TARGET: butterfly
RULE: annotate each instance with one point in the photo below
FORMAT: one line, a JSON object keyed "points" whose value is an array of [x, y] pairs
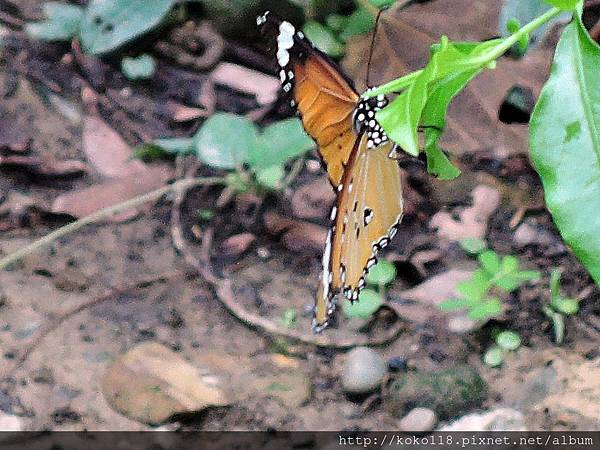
{"points": [[357, 155]]}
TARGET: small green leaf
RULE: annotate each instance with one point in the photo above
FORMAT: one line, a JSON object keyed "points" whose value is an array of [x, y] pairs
{"points": [[151, 152], [382, 3], [360, 22], [476, 286], [278, 143], [567, 5], [457, 304], [205, 214], [493, 357], [336, 22], [368, 302], [555, 284], [568, 306], [62, 24], [139, 68], [508, 340], [225, 140], [235, 181], [178, 146], [473, 246], [323, 39], [569, 163], [490, 261], [438, 163], [106, 25], [486, 310], [382, 273], [289, 318], [270, 177], [509, 264], [513, 25]]}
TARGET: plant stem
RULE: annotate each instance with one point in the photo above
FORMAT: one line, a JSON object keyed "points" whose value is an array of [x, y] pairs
{"points": [[478, 61], [105, 213]]}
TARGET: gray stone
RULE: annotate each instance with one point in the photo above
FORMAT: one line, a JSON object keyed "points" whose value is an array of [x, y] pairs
{"points": [[501, 419], [418, 419], [363, 371]]}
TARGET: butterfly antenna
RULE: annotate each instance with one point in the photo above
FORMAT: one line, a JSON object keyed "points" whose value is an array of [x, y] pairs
{"points": [[373, 46]]}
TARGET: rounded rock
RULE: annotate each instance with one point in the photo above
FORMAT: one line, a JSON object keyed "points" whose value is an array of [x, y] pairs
{"points": [[419, 420], [363, 371]]}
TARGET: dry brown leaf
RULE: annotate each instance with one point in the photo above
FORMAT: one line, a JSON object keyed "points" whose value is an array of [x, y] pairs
{"points": [[473, 221], [46, 167], [106, 150], [402, 45], [82, 202], [263, 87], [297, 235]]}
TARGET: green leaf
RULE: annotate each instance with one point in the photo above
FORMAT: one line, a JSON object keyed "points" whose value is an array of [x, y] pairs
{"points": [[150, 152], [368, 302], [490, 261], [106, 25], [62, 23], [554, 285], [486, 310], [493, 357], [568, 306], [289, 318], [558, 324], [508, 340], [567, 5], [225, 140], [565, 144], [323, 39], [473, 246], [382, 273], [382, 3], [278, 143], [139, 68], [360, 21], [476, 286], [178, 146], [457, 304], [270, 177], [336, 22]]}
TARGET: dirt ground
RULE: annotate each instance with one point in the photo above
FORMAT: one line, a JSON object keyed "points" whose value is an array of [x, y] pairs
{"points": [[68, 312]]}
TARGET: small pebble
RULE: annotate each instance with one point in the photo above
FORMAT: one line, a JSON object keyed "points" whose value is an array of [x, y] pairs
{"points": [[418, 419], [363, 371]]}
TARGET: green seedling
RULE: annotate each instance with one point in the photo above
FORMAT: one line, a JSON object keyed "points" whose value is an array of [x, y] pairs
{"points": [[559, 307]]}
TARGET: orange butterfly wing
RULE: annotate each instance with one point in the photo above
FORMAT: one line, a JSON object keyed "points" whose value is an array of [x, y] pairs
{"points": [[326, 103], [367, 214], [369, 203]]}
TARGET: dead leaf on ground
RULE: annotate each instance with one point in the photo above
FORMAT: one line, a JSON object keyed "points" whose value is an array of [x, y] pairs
{"points": [[237, 244], [17, 209], [150, 383], [182, 113], [297, 235], [106, 150], [402, 45], [44, 166], [472, 222], [82, 202], [263, 87]]}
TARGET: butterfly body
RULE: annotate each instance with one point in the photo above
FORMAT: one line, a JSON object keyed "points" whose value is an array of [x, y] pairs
{"points": [[354, 150]]}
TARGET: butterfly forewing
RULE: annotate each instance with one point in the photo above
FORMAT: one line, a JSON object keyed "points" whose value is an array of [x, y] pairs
{"points": [[324, 97]]}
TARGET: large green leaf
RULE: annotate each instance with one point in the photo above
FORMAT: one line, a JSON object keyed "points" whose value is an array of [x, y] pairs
{"points": [[225, 140], [279, 143], [565, 143], [61, 25], [107, 25]]}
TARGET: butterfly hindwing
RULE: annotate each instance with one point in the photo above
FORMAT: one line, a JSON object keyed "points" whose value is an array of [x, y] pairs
{"points": [[366, 216]]}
